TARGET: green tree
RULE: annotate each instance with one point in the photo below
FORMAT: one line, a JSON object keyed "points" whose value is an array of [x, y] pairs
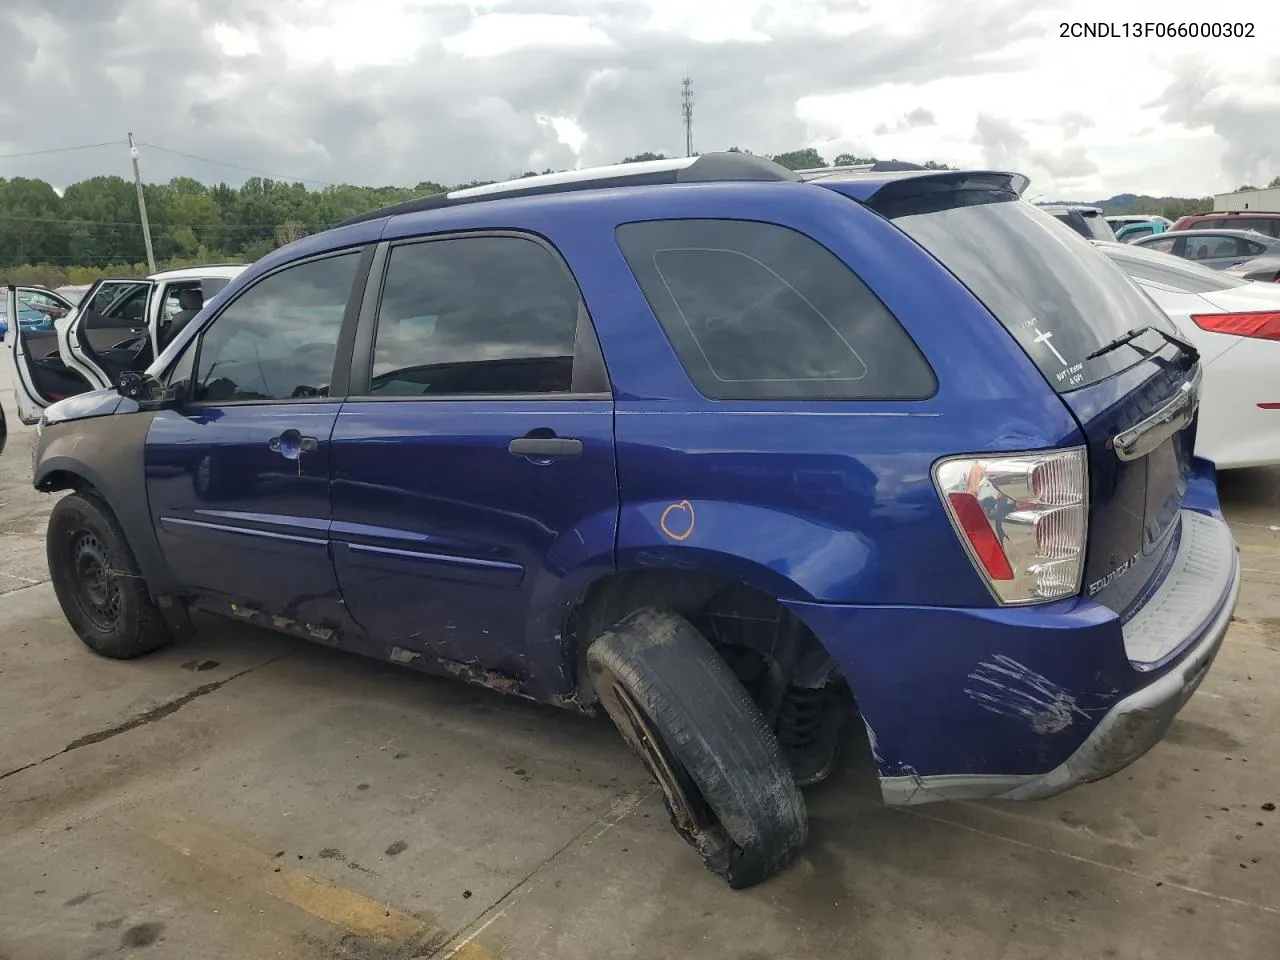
{"points": [[641, 157], [805, 159], [849, 160]]}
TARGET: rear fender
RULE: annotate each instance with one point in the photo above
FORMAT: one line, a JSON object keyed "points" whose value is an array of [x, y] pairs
{"points": [[785, 556]]}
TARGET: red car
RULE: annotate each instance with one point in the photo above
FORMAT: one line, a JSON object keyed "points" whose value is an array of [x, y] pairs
{"points": [[1268, 223]]}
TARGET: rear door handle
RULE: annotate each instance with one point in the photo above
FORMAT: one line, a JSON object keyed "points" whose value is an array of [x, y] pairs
{"points": [[545, 448]]}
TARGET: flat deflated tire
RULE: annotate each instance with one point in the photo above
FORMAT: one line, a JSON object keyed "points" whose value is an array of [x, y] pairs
{"points": [[98, 583], [725, 782]]}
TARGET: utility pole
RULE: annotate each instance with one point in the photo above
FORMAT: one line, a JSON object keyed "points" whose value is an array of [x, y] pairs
{"points": [[686, 110], [142, 207]]}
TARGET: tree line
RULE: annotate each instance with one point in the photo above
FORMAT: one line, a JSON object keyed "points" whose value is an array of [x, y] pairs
{"points": [[93, 228]]}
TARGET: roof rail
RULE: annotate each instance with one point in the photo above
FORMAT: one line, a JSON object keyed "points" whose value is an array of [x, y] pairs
{"points": [[877, 166], [707, 168]]}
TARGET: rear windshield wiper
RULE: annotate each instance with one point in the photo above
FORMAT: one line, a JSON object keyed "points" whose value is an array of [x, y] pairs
{"points": [[1126, 338]]}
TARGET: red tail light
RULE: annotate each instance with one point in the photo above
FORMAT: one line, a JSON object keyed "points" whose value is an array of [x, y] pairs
{"points": [[1258, 326], [973, 521]]}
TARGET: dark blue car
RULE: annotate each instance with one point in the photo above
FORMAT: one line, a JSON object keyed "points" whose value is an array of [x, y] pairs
{"points": [[755, 462]]}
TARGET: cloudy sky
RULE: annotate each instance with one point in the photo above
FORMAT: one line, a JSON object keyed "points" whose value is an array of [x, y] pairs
{"points": [[402, 91]]}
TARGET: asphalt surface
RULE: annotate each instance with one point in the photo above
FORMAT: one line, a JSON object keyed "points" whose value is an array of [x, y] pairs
{"points": [[249, 796]]}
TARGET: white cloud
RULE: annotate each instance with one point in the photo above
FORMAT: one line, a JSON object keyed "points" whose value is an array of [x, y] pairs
{"points": [[385, 91], [494, 34]]}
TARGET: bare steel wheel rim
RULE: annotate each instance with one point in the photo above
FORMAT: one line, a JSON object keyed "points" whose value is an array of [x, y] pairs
{"points": [[95, 584]]}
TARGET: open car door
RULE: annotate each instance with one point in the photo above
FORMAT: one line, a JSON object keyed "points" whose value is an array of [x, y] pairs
{"points": [[40, 377], [107, 335]]}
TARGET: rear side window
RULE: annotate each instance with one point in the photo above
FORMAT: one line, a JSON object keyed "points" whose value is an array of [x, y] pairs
{"points": [[1214, 248], [757, 311], [477, 316], [1058, 295]]}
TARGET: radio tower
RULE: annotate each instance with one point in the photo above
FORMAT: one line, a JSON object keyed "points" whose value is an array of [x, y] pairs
{"points": [[686, 110]]}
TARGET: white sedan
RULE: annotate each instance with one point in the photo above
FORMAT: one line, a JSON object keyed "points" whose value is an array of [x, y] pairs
{"points": [[1235, 324]]}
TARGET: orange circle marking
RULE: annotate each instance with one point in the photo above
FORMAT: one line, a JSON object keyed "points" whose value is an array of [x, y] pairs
{"points": [[683, 507]]}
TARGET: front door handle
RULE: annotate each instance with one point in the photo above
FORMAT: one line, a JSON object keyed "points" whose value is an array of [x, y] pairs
{"points": [[291, 444], [545, 448]]}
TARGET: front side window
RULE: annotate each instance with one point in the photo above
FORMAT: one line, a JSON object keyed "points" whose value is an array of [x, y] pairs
{"points": [[475, 316], [277, 340], [757, 311]]}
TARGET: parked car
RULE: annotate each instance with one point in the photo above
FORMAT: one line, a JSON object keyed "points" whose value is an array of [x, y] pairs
{"points": [[1132, 226], [1086, 221], [1235, 325], [1129, 219], [729, 456], [1265, 268], [1216, 249], [38, 308], [119, 325], [1261, 222], [1135, 231], [74, 292]]}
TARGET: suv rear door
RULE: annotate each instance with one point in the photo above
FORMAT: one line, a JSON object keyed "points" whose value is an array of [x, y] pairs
{"points": [[40, 377], [1065, 302], [473, 461], [107, 334]]}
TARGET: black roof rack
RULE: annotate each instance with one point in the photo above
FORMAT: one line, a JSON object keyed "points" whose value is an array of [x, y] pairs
{"points": [[708, 168]]}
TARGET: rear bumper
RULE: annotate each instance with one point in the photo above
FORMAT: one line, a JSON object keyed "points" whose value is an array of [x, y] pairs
{"points": [[1024, 704], [1139, 721]]}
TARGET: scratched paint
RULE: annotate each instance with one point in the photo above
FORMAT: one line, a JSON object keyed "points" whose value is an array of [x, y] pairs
{"points": [[875, 744], [1011, 689]]}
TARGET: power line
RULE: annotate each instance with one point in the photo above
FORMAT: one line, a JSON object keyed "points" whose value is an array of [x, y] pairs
{"points": [[78, 222], [40, 153], [233, 166]]}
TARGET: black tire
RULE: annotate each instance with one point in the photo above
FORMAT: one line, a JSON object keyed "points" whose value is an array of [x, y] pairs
{"points": [[725, 782], [98, 583]]}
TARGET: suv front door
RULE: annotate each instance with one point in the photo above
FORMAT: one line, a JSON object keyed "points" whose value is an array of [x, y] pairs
{"points": [[238, 474], [39, 375], [473, 461]]}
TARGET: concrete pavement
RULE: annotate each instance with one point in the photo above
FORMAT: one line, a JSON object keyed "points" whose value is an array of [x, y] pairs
{"points": [[243, 795]]}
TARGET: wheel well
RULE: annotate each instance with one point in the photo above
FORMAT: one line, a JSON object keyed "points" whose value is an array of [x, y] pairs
{"points": [[739, 620], [56, 480], [795, 683]]}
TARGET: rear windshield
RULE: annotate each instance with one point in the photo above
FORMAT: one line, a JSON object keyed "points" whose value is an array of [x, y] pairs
{"points": [[1168, 270], [1097, 225], [1053, 290]]}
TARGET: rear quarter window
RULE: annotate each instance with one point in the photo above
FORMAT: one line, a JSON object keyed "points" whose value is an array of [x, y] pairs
{"points": [[758, 311]]}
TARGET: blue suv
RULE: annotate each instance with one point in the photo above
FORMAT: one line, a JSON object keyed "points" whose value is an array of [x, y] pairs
{"points": [[752, 461]]}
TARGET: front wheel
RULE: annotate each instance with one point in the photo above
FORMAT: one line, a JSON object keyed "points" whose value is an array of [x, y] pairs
{"points": [[725, 782], [98, 582]]}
